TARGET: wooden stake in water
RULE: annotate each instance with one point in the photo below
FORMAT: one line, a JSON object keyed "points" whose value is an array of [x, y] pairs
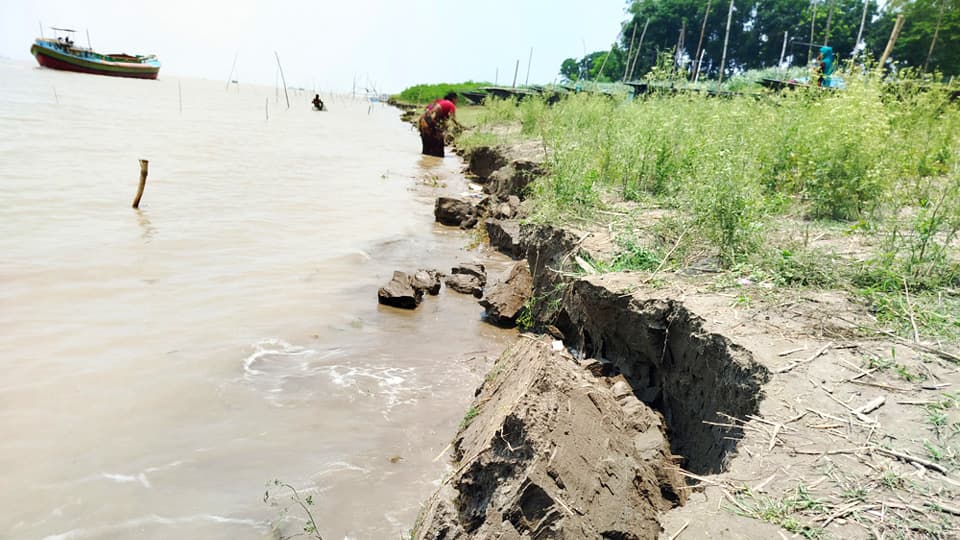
{"points": [[515, 69], [143, 182], [232, 67], [180, 96], [55, 96], [282, 79], [266, 107]]}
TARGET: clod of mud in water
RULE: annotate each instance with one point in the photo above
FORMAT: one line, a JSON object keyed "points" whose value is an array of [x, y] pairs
{"points": [[550, 451]]}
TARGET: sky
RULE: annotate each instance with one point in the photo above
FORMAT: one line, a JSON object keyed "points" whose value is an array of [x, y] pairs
{"points": [[384, 45]]}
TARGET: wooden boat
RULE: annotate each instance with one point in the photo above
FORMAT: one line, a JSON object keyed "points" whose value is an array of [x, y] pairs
{"points": [[475, 98], [62, 53], [507, 92]]}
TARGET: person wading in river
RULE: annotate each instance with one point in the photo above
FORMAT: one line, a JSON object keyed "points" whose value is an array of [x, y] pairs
{"points": [[433, 123]]}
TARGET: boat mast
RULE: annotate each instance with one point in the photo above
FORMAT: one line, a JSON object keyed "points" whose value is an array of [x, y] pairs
{"points": [[89, 46]]}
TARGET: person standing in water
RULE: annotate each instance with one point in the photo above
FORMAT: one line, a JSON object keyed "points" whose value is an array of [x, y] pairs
{"points": [[318, 103], [433, 123]]}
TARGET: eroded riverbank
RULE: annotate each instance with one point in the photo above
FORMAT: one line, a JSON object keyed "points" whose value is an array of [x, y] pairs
{"points": [[654, 404]]}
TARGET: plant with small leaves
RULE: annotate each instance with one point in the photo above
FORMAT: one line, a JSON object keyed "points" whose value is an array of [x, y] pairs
{"points": [[294, 498]]}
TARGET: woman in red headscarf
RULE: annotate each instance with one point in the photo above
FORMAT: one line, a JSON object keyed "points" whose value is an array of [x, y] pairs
{"points": [[433, 123]]}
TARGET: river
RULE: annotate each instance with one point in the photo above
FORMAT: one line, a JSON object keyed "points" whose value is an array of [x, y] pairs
{"points": [[161, 366]]}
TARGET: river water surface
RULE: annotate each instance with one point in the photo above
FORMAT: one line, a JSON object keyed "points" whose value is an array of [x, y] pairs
{"points": [[159, 367]]}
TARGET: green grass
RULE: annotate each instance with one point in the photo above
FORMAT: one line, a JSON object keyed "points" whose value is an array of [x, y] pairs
{"points": [[753, 181], [468, 417]]}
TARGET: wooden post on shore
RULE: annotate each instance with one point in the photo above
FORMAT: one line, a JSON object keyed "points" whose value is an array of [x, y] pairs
{"points": [[530, 60], [703, 29], [863, 22], [893, 39], [783, 50], [726, 39], [143, 182], [626, 64], [813, 19], [936, 32], [636, 55]]}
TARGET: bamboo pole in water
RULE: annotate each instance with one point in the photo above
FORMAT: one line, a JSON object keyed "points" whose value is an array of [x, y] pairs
{"points": [[266, 107], [282, 79], [515, 69], [143, 182], [180, 96], [232, 67]]}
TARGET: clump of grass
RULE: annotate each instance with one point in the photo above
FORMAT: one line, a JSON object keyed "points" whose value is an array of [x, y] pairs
{"points": [[786, 512], [471, 413]]}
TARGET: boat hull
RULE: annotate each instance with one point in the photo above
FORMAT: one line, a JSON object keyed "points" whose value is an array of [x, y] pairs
{"points": [[56, 60]]}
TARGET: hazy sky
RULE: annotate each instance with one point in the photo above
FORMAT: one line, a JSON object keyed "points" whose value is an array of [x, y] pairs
{"points": [[388, 45]]}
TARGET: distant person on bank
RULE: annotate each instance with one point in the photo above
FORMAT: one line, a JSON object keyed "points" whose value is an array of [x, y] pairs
{"points": [[317, 102], [434, 123]]}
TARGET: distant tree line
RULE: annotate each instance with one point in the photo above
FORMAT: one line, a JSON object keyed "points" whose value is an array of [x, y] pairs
{"points": [[928, 41]]}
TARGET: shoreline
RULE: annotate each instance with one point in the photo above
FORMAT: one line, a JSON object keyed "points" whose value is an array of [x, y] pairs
{"points": [[760, 406]]}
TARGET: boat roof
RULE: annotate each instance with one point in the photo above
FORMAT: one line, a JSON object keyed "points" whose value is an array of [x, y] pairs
{"points": [[62, 29]]}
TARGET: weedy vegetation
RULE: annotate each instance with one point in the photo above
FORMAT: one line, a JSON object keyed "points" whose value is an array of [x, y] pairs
{"points": [[759, 180]]}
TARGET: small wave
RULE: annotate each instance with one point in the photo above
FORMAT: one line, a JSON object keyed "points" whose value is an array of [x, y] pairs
{"points": [[338, 466], [128, 478], [270, 352]]}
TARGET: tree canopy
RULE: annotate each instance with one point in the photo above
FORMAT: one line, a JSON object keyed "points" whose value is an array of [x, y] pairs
{"points": [[929, 40]]}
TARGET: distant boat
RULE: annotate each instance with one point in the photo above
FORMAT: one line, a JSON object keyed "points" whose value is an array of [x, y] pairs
{"points": [[62, 53]]}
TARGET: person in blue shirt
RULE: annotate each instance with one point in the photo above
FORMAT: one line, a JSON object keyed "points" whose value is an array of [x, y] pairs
{"points": [[825, 66]]}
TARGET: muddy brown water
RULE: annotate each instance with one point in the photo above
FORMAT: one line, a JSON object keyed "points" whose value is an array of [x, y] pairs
{"points": [[161, 366]]}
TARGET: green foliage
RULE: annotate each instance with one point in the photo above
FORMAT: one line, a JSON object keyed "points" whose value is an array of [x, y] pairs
{"points": [[427, 93], [757, 31]]}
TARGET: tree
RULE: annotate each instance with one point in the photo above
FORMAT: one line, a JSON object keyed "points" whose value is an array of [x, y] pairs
{"points": [[922, 20], [570, 70]]}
